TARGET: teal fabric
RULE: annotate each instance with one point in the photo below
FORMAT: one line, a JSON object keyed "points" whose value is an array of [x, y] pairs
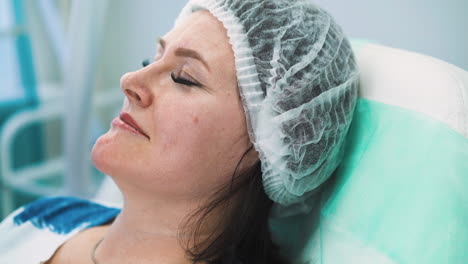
{"points": [[399, 196]]}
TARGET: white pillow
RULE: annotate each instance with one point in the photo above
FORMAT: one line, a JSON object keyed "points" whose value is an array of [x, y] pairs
{"points": [[416, 82]]}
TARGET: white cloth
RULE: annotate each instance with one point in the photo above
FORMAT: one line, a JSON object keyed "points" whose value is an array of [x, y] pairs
{"points": [[33, 233]]}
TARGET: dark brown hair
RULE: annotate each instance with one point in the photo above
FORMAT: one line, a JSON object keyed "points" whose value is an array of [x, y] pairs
{"points": [[244, 236]]}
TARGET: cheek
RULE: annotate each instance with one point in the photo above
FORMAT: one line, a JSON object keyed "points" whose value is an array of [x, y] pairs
{"points": [[198, 132], [176, 126], [184, 134]]}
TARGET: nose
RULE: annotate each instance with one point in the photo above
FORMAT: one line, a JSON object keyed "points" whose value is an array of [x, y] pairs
{"points": [[136, 90]]}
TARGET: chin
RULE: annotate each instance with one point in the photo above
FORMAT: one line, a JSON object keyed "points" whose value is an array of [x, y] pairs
{"points": [[113, 155], [104, 155]]}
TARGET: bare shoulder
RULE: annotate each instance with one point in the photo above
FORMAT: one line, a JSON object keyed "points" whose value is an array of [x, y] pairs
{"points": [[78, 249]]}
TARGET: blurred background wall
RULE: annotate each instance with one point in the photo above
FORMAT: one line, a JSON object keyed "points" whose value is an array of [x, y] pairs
{"points": [[433, 27]]}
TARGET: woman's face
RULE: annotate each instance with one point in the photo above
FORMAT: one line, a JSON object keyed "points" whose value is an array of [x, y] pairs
{"points": [[188, 105]]}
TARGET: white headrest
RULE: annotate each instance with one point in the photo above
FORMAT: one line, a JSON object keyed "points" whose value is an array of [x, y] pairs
{"points": [[416, 82]]}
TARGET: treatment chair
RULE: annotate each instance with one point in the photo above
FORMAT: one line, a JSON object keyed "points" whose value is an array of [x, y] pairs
{"points": [[399, 195]]}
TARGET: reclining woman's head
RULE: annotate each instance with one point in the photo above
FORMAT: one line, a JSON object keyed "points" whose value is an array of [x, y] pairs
{"points": [[245, 106]]}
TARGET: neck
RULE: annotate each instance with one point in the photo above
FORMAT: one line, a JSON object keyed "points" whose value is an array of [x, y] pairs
{"points": [[146, 231]]}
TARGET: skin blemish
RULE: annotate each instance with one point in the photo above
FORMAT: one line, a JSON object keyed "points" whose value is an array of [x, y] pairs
{"points": [[195, 120]]}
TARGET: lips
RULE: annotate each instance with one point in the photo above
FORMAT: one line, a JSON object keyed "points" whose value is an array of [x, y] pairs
{"points": [[127, 119]]}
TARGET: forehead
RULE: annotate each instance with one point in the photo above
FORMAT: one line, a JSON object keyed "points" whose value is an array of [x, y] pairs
{"points": [[202, 32]]}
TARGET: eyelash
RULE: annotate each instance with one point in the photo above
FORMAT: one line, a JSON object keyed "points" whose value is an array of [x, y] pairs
{"points": [[183, 81], [180, 80]]}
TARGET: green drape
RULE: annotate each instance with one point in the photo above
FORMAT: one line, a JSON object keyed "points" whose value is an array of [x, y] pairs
{"points": [[399, 196]]}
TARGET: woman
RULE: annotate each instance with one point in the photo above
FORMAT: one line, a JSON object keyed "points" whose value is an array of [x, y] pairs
{"points": [[244, 108]]}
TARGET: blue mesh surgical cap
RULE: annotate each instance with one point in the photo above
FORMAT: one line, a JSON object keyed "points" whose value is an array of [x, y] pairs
{"points": [[298, 81]]}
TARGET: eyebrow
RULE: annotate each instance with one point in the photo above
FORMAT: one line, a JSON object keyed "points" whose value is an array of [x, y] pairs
{"points": [[184, 52]]}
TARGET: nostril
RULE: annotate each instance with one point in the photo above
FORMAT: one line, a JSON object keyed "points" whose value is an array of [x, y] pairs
{"points": [[133, 94]]}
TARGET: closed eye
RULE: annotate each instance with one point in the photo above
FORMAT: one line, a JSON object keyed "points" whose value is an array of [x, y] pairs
{"points": [[183, 81]]}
